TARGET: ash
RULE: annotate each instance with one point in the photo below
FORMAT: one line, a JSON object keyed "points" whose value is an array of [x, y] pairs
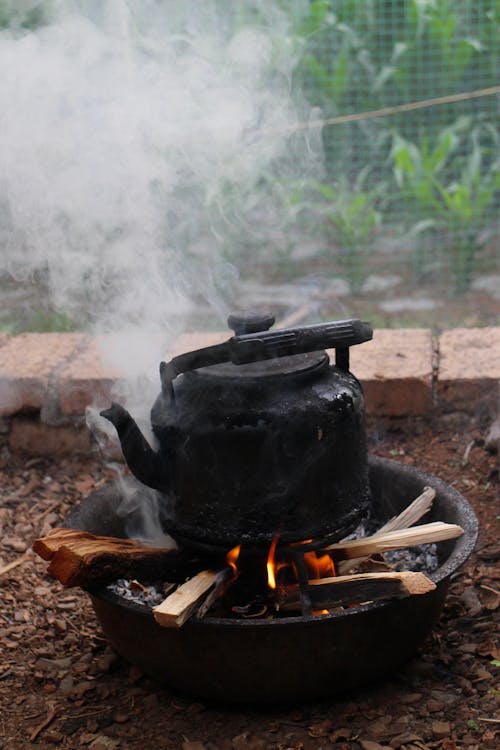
{"points": [[141, 593], [422, 559]]}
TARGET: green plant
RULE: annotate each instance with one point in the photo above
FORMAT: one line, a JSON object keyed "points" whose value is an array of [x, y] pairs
{"points": [[349, 216], [367, 55], [444, 200], [26, 15], [42, 321]]}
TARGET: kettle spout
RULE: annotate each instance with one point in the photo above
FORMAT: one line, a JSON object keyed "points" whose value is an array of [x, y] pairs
{"points": [[141, 459]]}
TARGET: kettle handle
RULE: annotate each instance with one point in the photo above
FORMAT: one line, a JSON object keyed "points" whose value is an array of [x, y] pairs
{"points": [[285, 342], [262, 345]]}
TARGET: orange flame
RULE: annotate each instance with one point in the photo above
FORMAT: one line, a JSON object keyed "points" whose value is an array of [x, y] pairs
{"points": [[271, 563], [232, 558], [319, 566]]}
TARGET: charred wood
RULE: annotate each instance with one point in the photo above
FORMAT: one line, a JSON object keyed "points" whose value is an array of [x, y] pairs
{"points": [[78, 558], [342, 591]]}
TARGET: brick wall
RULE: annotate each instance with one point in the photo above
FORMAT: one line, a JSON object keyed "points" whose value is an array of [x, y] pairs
{"points": [[47, 380]]}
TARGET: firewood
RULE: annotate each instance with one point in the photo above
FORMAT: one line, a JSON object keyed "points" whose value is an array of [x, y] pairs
{"points": [[78, 558], [223, 581], [179, 606], [341, 591], [412, 513], [396, 539], [404, 520]]}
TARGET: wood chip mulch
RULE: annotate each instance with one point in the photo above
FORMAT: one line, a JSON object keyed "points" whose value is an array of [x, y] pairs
{"points": [[62, 686]]}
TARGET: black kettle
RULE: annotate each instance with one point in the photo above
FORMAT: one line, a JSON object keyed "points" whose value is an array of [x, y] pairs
{"points": [[258, 436]]}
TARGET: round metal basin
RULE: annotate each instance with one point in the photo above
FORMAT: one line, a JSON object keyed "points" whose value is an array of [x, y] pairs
{"points": [[295, 658]]}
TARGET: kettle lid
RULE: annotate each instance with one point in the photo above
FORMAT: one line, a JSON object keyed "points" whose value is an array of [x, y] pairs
{"points": [[263, 351], [249, 322]]}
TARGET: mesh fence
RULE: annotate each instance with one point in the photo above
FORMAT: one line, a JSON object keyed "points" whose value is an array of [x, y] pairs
{"points": [[421, 162], [407, 96]]}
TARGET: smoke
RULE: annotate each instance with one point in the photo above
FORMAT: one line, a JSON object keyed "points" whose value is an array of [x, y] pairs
{"points": [[138, 141], [142, 142]]}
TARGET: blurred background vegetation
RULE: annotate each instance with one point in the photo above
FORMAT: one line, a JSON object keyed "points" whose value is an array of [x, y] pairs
{"points": [[410, 194], [429, 176]]}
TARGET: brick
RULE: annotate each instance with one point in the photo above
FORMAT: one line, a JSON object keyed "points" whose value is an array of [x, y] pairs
{"points": [[395, 370], [469, 369], [188, 342], [92, 378], [31, 436], [87, 379], [27, 363]]}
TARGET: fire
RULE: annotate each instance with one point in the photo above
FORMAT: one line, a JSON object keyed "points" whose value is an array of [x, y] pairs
{"points": [[271, 564], [232, 558], [319, 566]]}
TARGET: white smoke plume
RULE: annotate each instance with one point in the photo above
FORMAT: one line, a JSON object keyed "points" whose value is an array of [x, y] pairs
{"points": [[140, 139], [129, 153]]}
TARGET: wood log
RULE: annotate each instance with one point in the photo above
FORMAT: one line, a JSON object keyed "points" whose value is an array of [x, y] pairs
{"points": [[223, 581], [78, 558], [404, 520], [397, 539], [179, 606], [341, 591]]}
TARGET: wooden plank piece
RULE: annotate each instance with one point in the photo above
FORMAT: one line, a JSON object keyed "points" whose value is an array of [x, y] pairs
{"points": [[180, 605], [409, 516], [397, 539], [339, 591], [78, 558]]}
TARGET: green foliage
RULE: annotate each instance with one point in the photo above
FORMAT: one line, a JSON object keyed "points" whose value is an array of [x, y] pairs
{"points": [[42, 321], [434, 170], [23, 14], [349, 216], [449, 190], [440, 163]]}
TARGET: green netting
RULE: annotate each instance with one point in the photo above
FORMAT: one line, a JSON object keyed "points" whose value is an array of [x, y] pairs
{"points": [[432, 172], [409, 91]]}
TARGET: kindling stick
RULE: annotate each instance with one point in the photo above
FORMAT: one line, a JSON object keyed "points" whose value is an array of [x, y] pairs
{"points": [[396, 539], [180, 605], [409, 516]]}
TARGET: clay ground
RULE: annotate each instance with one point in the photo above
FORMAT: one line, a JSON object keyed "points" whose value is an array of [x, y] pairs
{"points": [[60, 686]]}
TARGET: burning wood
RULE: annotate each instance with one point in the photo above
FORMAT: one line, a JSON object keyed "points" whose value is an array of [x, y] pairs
{"points": [[78, 558], [192, 595], [224, 579], [341, 591]]}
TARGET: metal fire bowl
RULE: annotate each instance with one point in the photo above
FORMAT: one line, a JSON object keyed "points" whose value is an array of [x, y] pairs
{"points": [[295, 658]]}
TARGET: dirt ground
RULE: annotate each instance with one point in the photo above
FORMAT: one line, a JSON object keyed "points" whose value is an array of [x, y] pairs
{"points": [[61, 686]]}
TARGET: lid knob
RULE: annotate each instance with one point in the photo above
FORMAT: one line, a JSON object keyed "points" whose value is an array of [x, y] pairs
{"points": [[250, 322]]}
